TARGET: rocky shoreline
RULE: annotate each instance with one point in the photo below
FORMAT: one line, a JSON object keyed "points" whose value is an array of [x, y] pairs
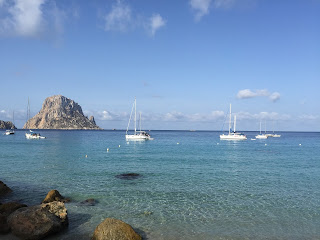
{"points": [[51, 217], [7, 125]]}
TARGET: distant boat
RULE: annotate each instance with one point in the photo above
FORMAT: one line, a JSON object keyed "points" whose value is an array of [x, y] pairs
{"points": [[261, 136], [138, 135], [273, 134], [233, 135], [10, 131], [31, 134]]}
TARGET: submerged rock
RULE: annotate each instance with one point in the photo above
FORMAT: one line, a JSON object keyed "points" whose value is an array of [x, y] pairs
{"points": [[38, 221], [54, 195], [115, 229], [89, 202], [129, 176], [4, 189]]}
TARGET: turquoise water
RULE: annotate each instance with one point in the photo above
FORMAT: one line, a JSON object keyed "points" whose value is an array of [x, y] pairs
{"points": [[201, 188]]}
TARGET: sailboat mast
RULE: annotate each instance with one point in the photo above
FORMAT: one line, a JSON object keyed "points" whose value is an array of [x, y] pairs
{"points": [[230, 120], [135, 116], [260, 127], [235, 120]]}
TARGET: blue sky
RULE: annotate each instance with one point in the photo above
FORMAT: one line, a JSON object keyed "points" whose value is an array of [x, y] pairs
{"points": [[185, 61]]}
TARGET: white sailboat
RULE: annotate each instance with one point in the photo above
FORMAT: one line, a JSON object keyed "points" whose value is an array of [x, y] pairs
{"points": [[261, 136], [273, 134], [31, 134], [233, 135], [138, 135], [10, 131]]}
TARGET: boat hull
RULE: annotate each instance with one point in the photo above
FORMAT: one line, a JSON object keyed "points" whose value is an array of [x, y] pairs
{"points": [[137, 138], [33, 136], [232, 137], [261, 136]]}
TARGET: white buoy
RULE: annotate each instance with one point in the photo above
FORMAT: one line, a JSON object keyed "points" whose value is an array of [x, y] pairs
{"points": [[86, 156], [299, 144], [265, 144], [119, 145], [107, 149], [178, 143]]}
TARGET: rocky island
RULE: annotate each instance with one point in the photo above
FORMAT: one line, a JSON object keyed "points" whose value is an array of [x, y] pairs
{"points": [[7, 125], [59, 112]]}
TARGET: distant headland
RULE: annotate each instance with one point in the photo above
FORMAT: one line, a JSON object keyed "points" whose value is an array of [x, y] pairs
{"points": [[7, 125], [59, 112]]}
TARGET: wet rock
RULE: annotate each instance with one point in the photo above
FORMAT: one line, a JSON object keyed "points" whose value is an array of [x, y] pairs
{"points": [[7, 208], [129, 176], [4, 227], [54, 195], [115, 229], [4, 189], [38, 222], [89, 202]]}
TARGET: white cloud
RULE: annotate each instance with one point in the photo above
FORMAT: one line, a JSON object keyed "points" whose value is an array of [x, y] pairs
{"points": [[247, 93], [122, 18], [156, 22], [24, 18], [308, 117], [274, 96], [201, 8], [224, 3], [119, 18], [263, 116], [30, 18]]}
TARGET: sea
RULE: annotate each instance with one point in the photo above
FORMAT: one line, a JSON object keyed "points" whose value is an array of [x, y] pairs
{"points": [[189, 184]]}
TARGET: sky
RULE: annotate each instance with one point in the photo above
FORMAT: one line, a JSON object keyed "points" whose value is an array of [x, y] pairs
{"points": [[185, 61]]}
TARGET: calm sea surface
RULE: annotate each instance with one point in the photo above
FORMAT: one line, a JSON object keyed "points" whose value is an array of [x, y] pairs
{"points": [[201, 188]]}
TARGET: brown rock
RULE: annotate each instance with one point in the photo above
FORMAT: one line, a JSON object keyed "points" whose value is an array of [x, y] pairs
{"points": [[7, 208], [114, 229], [38, 221], [4, 189], [4, 227], [54, 195], [59, 112]]}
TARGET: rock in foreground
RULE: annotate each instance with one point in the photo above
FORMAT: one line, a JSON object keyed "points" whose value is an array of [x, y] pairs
{"points": [[39, 221], [4, 189], [54, 195], [59, 112], [115, 229]]}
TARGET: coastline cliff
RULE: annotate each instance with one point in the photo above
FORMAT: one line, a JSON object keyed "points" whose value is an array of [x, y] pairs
{"points": [[7, 125], [59, 112]]}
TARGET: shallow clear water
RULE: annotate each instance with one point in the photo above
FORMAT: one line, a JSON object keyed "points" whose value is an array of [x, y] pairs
{"points": [[201, 188]]}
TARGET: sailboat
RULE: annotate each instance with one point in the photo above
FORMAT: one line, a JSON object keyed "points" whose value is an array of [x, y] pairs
{"points": [[31, 134], [233, 135], [138, 135], [273, 134], [10, 131], [261, 136]]}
